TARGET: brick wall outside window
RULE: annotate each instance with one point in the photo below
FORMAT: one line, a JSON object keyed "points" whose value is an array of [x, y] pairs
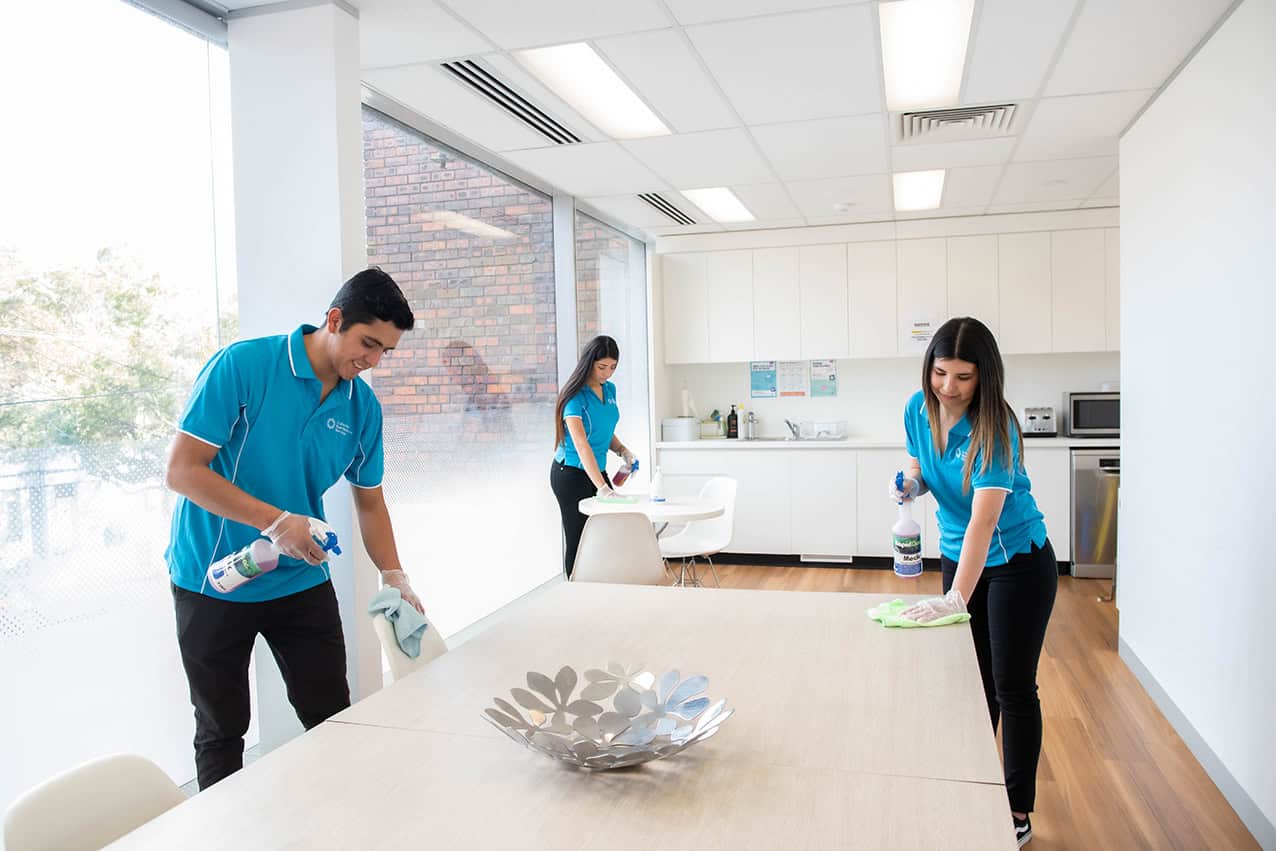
{"points": [[474, 254]]}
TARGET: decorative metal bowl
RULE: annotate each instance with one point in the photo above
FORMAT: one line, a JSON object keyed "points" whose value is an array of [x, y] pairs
{"points": [[649, 718]]}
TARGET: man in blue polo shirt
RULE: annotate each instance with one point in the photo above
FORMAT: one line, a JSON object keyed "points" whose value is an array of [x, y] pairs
{"points": [[271, 424]]}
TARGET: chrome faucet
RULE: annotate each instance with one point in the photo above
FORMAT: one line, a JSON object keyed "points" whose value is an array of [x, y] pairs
{"points": [[793, 428]]}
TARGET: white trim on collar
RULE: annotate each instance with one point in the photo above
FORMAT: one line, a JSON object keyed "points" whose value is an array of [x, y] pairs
{"points": [[290, 360], [350, 392]]}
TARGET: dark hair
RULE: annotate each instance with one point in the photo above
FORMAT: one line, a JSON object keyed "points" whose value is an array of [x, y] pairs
{"points": [[371, 295], [968, 339], [599, 348]]}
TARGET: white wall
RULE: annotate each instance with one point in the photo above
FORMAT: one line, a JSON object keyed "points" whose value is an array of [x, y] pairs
{"points": [[872, 393], [1198, 293]]}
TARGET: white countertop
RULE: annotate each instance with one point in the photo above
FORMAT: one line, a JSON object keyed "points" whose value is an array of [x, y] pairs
{"points": [[868, 443]]}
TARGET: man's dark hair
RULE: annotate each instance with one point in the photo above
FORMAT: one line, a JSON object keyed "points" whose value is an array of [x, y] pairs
{"points": [[370, 295]]}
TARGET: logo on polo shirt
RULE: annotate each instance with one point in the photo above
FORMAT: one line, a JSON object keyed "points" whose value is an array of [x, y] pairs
{"points": [[339, 427]]}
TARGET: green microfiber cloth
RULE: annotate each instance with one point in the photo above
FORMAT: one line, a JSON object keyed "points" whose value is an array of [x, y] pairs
{"points": [[887, 614], [623, 500]]}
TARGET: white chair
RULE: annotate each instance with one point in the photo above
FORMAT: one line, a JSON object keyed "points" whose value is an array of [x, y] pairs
{"points": [[90, 806], [620, 548], [401, 664], [701, 539]]}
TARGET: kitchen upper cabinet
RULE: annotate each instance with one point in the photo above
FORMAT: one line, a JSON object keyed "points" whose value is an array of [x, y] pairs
{"points": [[1023, 278], [1079, 291], [923, 291], [1050, 472], [777, 314], [972, 279], [823, 516], [729, 279], [872, 292], [686, 312], [822, 298], [1112, 285]]}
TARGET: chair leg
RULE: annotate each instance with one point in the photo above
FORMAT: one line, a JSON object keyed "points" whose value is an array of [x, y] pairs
{"points": [[668, 571], [714, 570], [695, 577]]}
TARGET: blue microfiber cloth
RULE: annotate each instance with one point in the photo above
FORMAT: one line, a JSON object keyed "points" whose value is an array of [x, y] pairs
{"points": [[887, 614], [409, 624]]}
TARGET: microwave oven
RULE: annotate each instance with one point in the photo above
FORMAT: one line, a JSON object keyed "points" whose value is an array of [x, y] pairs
{"points": [[1094, 414]]}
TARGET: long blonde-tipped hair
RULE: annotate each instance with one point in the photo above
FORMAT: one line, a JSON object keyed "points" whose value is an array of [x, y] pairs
{"points": [[968, 339]]}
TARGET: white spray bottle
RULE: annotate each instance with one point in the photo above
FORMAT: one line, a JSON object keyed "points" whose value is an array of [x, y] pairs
{"points": [[906, 537], [262, 556]]}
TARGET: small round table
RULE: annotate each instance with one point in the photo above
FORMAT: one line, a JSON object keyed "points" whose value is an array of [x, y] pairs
{"points": [[661, 514]]}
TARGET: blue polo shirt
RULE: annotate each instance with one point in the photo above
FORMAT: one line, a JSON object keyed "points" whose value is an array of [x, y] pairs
{"points": [[257, 401], [1020, 525], [600, 417]]}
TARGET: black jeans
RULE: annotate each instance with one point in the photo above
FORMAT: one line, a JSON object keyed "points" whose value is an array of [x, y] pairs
{"points": [[1009, 610], [570, 485], [216, 639]]}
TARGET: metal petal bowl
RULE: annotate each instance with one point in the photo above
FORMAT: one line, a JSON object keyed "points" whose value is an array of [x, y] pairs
{"points": [[650, 717]]}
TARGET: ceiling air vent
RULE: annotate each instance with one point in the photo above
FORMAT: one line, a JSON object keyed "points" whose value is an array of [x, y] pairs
{"points": [[668, 209], [954, 125], [496, 90]]}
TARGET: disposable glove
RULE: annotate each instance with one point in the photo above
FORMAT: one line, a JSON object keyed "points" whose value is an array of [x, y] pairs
{"points": [[605, 492], [399, 579], [291, 534], [628, 457], [910, 489], [934, 608]]}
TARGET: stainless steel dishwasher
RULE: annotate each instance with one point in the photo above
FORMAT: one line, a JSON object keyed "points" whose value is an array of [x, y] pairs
{"points": [[1096, 475]]}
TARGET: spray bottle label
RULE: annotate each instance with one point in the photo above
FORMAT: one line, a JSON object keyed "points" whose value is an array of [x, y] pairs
{"points": [[233, 571], [908, 554]]}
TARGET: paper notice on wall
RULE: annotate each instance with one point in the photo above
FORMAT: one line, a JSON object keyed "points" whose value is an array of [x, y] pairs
{"points": [[762, 380], [823, 378], [792, 377], [920, 330]]}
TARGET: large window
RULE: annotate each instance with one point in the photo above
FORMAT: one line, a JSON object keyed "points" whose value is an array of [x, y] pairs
{"points": [[116, 283], [469, 395], [611, 299]]}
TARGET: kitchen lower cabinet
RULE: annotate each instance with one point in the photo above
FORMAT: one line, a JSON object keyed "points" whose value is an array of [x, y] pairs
{"points": [[763, 500], [877, 514], [1050, 472], [822, 508]]}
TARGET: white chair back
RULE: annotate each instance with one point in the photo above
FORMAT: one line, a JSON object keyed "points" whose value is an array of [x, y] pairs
{"points": [[90, 806], [619, 548], [401, 664], [716, 532]]}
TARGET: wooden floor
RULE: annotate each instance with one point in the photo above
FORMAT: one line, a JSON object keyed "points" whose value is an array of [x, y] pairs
{"points": [[1114, 774]]}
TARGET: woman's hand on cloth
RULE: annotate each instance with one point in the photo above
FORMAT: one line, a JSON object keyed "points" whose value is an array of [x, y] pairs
{"points": [[934, 608], [399, 579]]}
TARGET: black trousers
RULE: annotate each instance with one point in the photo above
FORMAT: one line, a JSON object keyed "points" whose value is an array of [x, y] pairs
{"points": [[216, 638], [1009, 610], [570, 485]]}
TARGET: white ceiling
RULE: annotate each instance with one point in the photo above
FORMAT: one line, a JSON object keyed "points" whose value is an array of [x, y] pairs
{"points": [[782, 100]]}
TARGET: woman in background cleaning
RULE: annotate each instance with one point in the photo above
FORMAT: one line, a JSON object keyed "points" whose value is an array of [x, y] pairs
{"points": [[964, 446], [584, 429]]}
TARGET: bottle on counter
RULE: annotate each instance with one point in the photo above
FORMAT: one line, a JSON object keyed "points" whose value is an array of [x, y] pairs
{"points": [[657, 487], [906, 538], [733, 424]]}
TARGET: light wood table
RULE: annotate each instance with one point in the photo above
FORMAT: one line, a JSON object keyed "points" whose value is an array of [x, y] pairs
{"points": [[845, 735], [346, 786], [814, 682]]}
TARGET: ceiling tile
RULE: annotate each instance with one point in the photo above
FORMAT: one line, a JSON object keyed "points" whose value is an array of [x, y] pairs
{"points": [[530, 23], [679, 230], [401, 32], [870, 195], [852, 218], [660, 66], [952, 154], [1036, 207], [694, 160], [796, 67], [521, 80], [1130, 44], [766, 225], [767, 201], [600, 168], [1053, 180], [702, 11], [941, 213], [1110, 187], [1078, 126], [629, 210], [830, 147], [970, 187], [1011, 49], [436, 95]]}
